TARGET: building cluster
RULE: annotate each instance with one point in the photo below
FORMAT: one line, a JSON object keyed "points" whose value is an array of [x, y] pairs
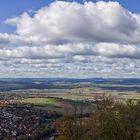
{"points": [[16, 121]]}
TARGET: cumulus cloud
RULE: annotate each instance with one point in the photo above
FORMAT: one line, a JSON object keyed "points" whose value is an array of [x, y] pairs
{"points": [[99, 38], [47, 52], [117, 50], [77, 52], [88, 22], [99, 67]]}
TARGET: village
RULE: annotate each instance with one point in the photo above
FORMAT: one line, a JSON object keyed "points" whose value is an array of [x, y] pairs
{"points": [[18, 121]]}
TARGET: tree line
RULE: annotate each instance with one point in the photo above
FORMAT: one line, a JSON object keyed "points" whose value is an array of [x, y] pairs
{"points": [[112, 120]]}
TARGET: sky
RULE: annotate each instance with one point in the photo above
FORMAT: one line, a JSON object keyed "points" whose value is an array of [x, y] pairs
{"points": [[73, 39]]}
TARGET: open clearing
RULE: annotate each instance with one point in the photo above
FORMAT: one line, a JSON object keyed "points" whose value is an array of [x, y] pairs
{"points": [[41, 101], [59, 105]]}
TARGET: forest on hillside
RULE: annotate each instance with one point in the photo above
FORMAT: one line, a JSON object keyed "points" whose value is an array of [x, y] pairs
{"points": [[111, 121]]}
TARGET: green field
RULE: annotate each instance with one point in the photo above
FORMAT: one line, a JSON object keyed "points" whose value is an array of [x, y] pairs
{"points": [[41, 101]]}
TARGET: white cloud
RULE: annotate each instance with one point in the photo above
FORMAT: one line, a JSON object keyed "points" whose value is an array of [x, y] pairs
{"points": [[72, 39], [72, 52], [68, 22], [117, 50], [47, 52]]}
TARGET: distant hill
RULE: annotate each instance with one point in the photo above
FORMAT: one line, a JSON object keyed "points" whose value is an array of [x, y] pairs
{"points": [[7, 84]]}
